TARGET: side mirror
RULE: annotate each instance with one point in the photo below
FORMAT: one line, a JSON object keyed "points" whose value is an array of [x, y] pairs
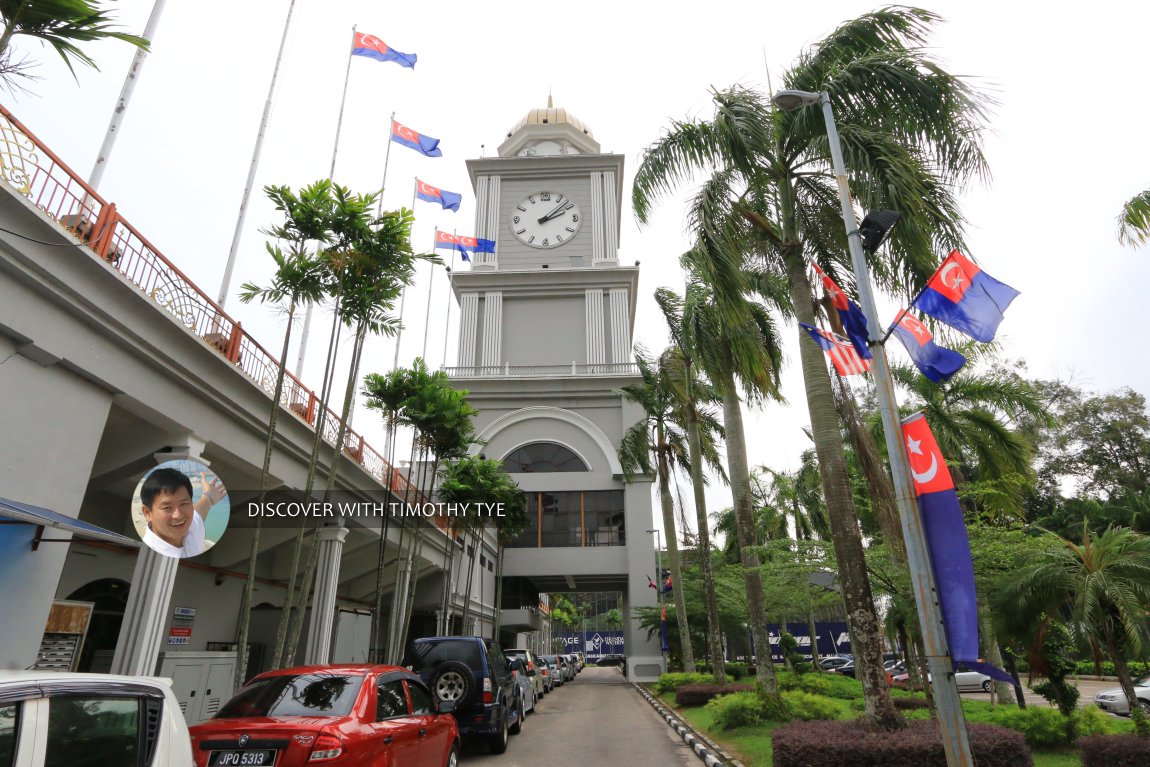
{"points": [[445, 707]]}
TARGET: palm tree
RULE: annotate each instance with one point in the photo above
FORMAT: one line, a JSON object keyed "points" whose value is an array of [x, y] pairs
{"points": [[911, 131], [61, 24], [659, 434], [1134, 222], [1103, 586]]}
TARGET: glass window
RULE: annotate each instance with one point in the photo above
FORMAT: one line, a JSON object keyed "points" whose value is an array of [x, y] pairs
{"points": [[9, 727], [542, 457], [89, 730], [420, 698], [295, 695], [390, 701]]}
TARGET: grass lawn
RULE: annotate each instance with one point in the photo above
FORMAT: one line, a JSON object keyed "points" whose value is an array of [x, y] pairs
{"points": [[752, 745]]}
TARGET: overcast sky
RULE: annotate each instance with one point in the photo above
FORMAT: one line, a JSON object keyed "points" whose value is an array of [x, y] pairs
{"points": [[1068, 145]]}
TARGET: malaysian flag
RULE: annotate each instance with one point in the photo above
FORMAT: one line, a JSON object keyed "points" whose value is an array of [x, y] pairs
{"points": [[846, 360]]}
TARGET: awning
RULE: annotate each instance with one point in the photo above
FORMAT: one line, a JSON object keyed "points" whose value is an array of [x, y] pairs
{"points": [[34, 515]]}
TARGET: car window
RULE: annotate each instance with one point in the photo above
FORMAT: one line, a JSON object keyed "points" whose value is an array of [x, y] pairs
{"points": [[498, 661], [390, 701], [9, 726], [425, 656], [295, 695], [420, 698], [81, 726]]}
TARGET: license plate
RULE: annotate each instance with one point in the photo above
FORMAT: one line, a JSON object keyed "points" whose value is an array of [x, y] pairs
{"points": [[229, 758]]}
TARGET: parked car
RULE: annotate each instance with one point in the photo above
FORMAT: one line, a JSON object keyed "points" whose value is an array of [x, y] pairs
{"points": [[352, 715], [832, 662], [1114, 700], [580, 661], [527, 694], [572, 666], [894, 666], [846, 669], [83, 719], [612, 660], [555, 666], [471, 672], [967, 680], [532, 668]]}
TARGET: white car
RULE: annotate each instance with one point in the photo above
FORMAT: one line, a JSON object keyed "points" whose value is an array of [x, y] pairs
{"points": [[50, 717], [1114, 700], [964, 678]]}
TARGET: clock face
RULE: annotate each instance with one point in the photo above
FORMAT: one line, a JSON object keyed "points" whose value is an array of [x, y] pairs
{"points": [[546, 220]]}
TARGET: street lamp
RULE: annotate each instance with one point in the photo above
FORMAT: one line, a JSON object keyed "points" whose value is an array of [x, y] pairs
{"points": [[953, 725], [659, 588]]}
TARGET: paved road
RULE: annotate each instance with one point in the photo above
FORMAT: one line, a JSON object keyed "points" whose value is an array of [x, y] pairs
{"points": [[598, 719]]}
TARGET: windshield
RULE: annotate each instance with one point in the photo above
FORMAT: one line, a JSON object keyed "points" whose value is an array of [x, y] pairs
{"points": [[295, 695], [1142, 681]]}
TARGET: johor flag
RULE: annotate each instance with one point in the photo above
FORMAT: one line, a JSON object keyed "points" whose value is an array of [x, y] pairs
{"points": [[425, 145], [846, 360], [372, 47], [947, 543], [428, 193], [966, 298], [853, 319], [663, 629], [445, 240], [936, 362]]}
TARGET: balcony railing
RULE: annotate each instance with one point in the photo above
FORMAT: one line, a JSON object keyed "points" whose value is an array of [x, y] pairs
{"points": [[543, 371], [37, 173]]}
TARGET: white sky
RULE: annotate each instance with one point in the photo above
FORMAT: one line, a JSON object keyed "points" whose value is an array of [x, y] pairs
{"points": [[1063, 161]]}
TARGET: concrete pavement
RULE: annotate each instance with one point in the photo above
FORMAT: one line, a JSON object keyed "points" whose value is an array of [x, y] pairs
{"points": [[597, 719]]}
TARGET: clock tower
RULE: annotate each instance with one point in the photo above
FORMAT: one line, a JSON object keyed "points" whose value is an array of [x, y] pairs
{"points": [[544, 346]]}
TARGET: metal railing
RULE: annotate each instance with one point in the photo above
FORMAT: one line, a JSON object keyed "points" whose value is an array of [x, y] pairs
{"points": [[540, 371], [36, 172]]}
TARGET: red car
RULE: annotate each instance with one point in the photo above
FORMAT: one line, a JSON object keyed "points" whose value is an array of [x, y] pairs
{"points": [[343, 716]]}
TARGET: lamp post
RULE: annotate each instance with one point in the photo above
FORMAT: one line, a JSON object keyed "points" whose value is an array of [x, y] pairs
{"points": [[952, 722], [659, 589]]}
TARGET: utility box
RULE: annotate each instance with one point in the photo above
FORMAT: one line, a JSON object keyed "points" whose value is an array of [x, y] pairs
{"points": [[352, 640], [201, 681]]}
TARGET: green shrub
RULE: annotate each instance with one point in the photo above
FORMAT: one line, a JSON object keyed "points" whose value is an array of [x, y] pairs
{"points": [[815, 684], [672, 682], [808, 707], [842, 687], [1043, 728], [1086, 668], [1115, 751], [692, 695], [739, 710], [1090, 720]]}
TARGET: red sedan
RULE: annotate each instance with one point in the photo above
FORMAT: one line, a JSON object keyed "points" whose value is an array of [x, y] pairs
{"points": [[343, 716]]}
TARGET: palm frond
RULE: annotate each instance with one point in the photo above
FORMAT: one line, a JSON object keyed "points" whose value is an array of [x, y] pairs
{"points": [[1134, 221]]}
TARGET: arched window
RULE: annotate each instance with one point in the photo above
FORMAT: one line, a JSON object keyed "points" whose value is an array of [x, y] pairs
{"points": [[539, 457]]}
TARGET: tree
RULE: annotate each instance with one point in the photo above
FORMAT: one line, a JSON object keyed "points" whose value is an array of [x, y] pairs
{"points": [[1103, 441], [659, 434], [1134, 221], [911, 132], [61, 24], [1102, 587]]}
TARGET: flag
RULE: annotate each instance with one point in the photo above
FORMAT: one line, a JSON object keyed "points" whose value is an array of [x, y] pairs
{"points": [[663, 631], [425, 145], [485, 246], [429, 193], [853, 319], [842, 353], [651, 583], [374, 48], [947, 544], [445, 240], [966, 298], [936, 362]]}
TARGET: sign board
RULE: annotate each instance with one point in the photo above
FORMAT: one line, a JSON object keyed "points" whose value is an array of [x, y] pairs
{"points": [[594, 644], [180, 632], [832, 637]]}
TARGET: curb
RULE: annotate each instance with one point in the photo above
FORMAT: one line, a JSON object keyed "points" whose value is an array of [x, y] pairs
{"points": [[709, 753]]}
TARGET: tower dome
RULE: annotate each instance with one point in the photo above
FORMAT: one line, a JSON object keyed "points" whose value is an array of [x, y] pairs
{"points": [[547, 132]]}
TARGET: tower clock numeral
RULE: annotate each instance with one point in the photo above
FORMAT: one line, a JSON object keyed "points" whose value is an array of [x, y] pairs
{"points": [[520, 207], [545, 241], [521, 231], [558, 238], [570, 229], [575, 218], [559, 198], [531, 239], [532, 199], [545, 196], [516, 219]]}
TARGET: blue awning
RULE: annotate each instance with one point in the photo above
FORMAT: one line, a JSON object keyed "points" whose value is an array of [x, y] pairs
{"points": [[34, 515]]}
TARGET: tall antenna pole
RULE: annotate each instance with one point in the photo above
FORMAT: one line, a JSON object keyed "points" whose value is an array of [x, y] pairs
{"points": [[225, 284]]}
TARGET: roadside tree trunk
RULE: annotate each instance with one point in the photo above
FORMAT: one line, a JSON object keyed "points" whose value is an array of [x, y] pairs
{"points": [[671, 537]]}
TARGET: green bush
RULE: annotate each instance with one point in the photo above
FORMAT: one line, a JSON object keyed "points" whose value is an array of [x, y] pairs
{"points": [[808, 707], [842, 687], [1043, 728], [815, 684], [1090, 720], [737, 671], [739, 710], [672, 682], [1086, 668]]}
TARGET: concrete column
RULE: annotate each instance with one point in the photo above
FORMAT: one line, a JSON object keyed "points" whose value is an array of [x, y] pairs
{"points": [[146, 614], [596, 341], [620, 326], [54, 421], [644, 660], [468, 323], [330, 541], [492, 329]]}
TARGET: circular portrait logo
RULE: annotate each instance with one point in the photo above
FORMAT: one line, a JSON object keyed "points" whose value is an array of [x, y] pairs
{"points": [[180, 508]]}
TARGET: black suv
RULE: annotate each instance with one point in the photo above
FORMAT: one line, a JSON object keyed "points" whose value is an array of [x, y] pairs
{"points": [[472, 672]]}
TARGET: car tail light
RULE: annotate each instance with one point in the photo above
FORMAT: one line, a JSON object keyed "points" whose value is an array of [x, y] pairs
{"points": [[530, 666], [326, 747], [488, 690]]}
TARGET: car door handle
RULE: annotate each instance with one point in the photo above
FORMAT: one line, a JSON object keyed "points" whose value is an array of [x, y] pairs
{"points": [[422, 731], [388, 740]]}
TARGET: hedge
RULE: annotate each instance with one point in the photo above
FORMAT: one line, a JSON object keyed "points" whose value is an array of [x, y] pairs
{"points": [[672, 682], [689, 695], [1114, 751], [1086, 668], [854, 744]]}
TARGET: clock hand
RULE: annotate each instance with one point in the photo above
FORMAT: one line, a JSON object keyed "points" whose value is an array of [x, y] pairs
{"points": [[557, 210]]}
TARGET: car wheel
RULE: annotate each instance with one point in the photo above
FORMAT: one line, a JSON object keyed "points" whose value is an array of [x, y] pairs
{"points": [[453, 681], [517, 728], [452, 757], [497, 743], [987, 685], [1145, 704]]}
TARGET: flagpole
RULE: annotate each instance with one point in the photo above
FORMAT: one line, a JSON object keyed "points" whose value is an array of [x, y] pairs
{"points": [[450, 284], [125, 97], [386, 160], [331, 177], [427, 316], [225, 284]]}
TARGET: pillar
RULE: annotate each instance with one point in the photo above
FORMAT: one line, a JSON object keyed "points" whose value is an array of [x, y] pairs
{"points": [[146, 614], [330, 541]]}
